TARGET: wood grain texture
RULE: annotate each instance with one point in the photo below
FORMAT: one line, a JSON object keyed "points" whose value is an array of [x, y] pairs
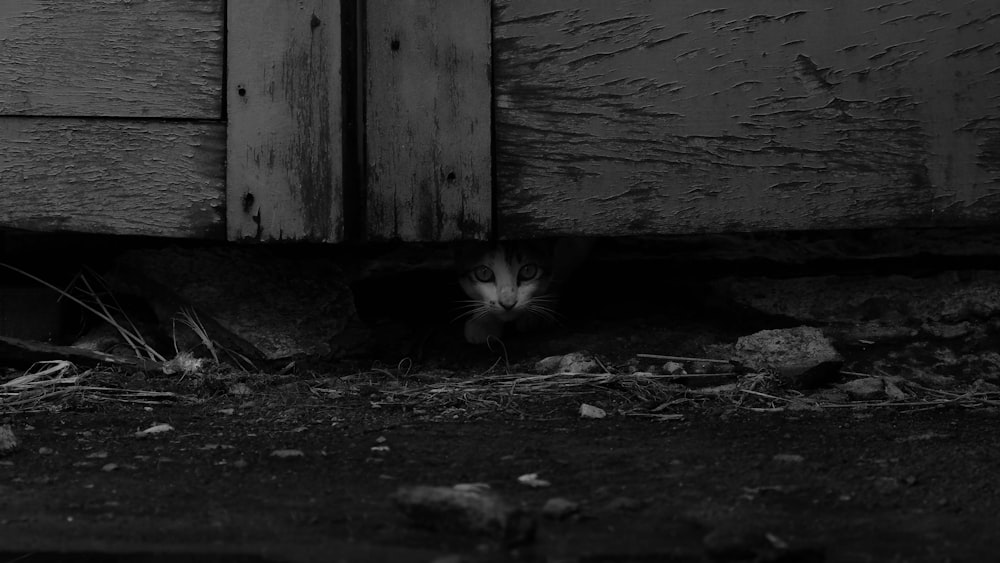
{"points": [[112, 176], [136, 58], [638, 117], [428, 119], [285, 113]]}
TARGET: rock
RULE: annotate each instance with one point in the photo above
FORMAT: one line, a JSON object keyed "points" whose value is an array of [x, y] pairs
{"points": [[575, 362], [832, 395], [548, 364], [578, 362], [248, 300], [533, 480], [154, 429], [745, 543], [559, 508], [624, 504], [8, 440], [865, 389], [590, 411], [674, 368], [801, 356], [479, 512], [948, 331]]}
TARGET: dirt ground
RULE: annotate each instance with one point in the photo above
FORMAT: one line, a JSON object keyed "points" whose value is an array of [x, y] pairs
{"points": [[877, 485], [302, 466]]}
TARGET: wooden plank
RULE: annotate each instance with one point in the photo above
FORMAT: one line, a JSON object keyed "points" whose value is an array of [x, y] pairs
{"points": [[428, 119], [112, 176], [141, 58], [285, 121], [631, 117]]}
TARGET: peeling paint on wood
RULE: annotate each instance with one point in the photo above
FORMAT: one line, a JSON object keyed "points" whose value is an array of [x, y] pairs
{"points": [[125, 177], [285, 117], [428, 119], [140, 58], [638, 117]]}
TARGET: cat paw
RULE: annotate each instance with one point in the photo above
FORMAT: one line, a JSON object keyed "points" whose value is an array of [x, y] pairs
{"points": [[478, 331]]}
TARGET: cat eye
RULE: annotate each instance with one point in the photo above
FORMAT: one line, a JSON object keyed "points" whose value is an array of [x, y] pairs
{"points": [[528, 272], [482, 274]]}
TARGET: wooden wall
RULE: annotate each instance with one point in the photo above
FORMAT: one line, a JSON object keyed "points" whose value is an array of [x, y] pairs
{"points": [[285, 126], [427, 109], [440, 120], [637, 117], [111, 116]]}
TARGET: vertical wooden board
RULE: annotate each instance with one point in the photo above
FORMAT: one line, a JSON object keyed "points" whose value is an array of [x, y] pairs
{"points": [[112, 176], [428, 119], [285, 143], [140, 58], [637, 117]]}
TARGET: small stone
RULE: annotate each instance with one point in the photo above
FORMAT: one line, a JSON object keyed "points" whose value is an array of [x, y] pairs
{"points": [[240, 389], [155, 429], [288, 454], [471, 511], [626, 504], [800, 356], [559, 508], [532, 480], [109, 467], [590, 411], [8, 440], [548, 365], [578, 362], [947, 331], [673, 368], [45, 451], [864, 389]]}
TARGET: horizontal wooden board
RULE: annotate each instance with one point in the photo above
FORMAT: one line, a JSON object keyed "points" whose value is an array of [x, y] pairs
{"points": [[428, 119], [113, 176], [136, 58], [285, 138], [637, 117]]}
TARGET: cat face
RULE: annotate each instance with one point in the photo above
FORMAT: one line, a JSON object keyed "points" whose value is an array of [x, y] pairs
{"points": [[505, 281]]}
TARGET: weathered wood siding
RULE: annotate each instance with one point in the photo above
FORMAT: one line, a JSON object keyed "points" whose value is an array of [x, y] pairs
{"points": [[111, 58], [285, 118], [427, 97], [615, 118], [111, 117], [132, 177]]}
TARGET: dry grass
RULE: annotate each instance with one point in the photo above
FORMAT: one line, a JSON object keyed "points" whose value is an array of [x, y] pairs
{"points": [[54, 385]]}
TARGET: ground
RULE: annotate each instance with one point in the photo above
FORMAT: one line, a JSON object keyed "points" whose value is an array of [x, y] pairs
{"points": [[877, 485], [302, 464]]}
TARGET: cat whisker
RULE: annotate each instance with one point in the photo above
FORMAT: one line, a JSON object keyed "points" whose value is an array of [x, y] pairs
{"points": [[473, 313], [544, 311]]}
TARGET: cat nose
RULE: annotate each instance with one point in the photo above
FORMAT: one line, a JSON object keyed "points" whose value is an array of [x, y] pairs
{"points": [[507, 306]]}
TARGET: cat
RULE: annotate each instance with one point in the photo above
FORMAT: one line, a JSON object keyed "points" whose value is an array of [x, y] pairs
{"points": [[515, 282]]}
